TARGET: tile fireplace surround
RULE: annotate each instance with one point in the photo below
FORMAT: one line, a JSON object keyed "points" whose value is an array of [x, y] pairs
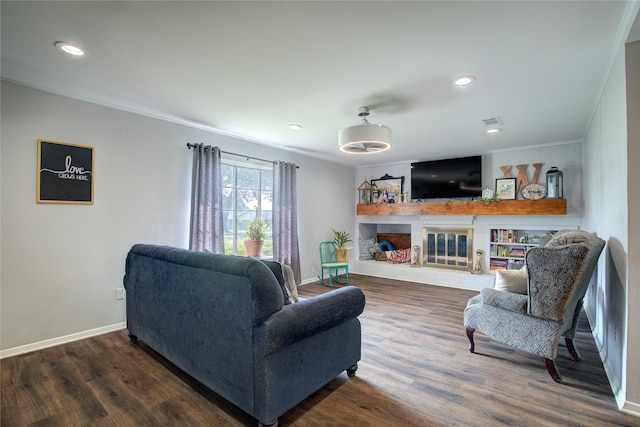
{"points": [[367, 226]]}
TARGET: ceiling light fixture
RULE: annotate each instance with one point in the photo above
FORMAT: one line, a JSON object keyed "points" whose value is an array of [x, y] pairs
{"points": [[294, 126], [365, 138], [69, 48], [494, 130], [464, 80]]}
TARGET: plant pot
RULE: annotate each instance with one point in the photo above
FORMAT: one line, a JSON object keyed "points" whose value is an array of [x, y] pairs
{"points": [[341, 255], [254, 247]]}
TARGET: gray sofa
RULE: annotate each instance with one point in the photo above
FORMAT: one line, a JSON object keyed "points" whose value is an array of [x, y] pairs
{"points": [[224, 321]]}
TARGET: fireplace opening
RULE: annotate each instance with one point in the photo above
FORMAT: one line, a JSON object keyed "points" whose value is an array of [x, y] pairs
{"points": [[447, 248]]}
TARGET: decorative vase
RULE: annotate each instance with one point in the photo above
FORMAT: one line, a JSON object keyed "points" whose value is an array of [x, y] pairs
{"points": [[254, 247], [341, 255]]}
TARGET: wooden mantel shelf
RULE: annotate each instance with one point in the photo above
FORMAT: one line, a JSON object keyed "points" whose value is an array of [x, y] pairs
{"points": [[476, 207]]}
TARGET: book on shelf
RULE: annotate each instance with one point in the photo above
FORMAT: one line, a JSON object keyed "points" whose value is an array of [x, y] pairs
{"points": [[498, 264], [516, 252], [504, 236]]}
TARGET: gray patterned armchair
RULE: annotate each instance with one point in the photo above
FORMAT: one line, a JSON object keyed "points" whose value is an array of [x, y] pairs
{"points": [[559, 272]]}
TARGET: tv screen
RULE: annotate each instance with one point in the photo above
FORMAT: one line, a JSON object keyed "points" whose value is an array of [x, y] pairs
{"points": [[459, 178]]}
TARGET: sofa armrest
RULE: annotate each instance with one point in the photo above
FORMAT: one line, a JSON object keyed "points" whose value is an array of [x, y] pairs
{"points": [[505, 300], [309, 317]]}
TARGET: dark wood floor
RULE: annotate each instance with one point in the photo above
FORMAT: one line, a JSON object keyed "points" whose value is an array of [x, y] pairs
{"points": [[415, 370]]}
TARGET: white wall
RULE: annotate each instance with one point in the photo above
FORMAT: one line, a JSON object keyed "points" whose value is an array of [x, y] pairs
{"points": [[606, 213], [611, 185], [633, 201], [61, 264]]}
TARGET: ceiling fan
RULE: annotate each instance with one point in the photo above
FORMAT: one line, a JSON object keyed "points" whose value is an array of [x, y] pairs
{"points": [[365, 138]]}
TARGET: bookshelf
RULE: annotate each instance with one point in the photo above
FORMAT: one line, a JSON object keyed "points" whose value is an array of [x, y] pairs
{"points": [[508, 247]]}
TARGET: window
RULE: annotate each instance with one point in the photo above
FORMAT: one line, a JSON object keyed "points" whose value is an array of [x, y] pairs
{"points": [[245, 187]]}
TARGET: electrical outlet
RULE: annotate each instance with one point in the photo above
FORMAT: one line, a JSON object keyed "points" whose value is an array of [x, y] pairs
{"points": [[120, 293]]}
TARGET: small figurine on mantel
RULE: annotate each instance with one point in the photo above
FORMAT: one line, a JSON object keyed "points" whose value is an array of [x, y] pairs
{"points": [[477, 267], [405, 196]]}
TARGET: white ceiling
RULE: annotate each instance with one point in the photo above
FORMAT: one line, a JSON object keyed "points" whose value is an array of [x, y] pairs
{"points": [[250, 68]]}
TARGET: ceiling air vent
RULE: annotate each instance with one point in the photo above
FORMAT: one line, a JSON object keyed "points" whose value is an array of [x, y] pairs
{"points": [[492, 121]]}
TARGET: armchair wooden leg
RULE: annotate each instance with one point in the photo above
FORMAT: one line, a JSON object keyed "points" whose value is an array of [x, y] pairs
{"points": [[472, 345], [573, 351], [553, 370]]}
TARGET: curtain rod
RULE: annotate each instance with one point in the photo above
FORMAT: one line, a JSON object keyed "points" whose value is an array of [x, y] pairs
{"points": [[189, 145]]}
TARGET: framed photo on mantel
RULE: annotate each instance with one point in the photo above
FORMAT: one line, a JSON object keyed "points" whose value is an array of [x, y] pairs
{"points": [[506, 188], [65, 173], [389, 189]]}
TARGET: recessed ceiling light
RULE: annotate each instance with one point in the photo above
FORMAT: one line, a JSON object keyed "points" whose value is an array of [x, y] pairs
{"points": [[69, 48], [294, 126], [464, 80], [494, 130]]}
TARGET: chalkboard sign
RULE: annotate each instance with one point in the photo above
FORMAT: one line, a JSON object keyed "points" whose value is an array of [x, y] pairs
{"points": [[65, 173]]}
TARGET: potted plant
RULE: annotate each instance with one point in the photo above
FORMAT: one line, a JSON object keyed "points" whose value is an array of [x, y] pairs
{"points": [[255, 236], [341, 238]]}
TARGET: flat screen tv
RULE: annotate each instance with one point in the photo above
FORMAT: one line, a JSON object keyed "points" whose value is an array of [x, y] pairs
{"points": [[459, 178]]}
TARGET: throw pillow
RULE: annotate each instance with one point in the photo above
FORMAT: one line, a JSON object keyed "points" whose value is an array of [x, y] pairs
{"points": [[290, 288], [400, 256], [514, 281], [373, 248], [278, 271], [364, 247]]}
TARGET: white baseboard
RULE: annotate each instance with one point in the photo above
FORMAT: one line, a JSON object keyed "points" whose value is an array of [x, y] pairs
{"points": [[631, 408], [307, 281], [15, 351], [625, 406]]}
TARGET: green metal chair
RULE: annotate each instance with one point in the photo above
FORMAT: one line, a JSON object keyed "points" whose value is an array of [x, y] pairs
{"points": [[329, 262]]}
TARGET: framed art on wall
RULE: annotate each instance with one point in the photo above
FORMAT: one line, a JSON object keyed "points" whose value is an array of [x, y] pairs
{"points": [[506, 188], [65, 173]]}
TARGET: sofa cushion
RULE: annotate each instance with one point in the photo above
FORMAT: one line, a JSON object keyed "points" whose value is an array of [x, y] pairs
{"points": [[505, 300], [514, 281]]}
